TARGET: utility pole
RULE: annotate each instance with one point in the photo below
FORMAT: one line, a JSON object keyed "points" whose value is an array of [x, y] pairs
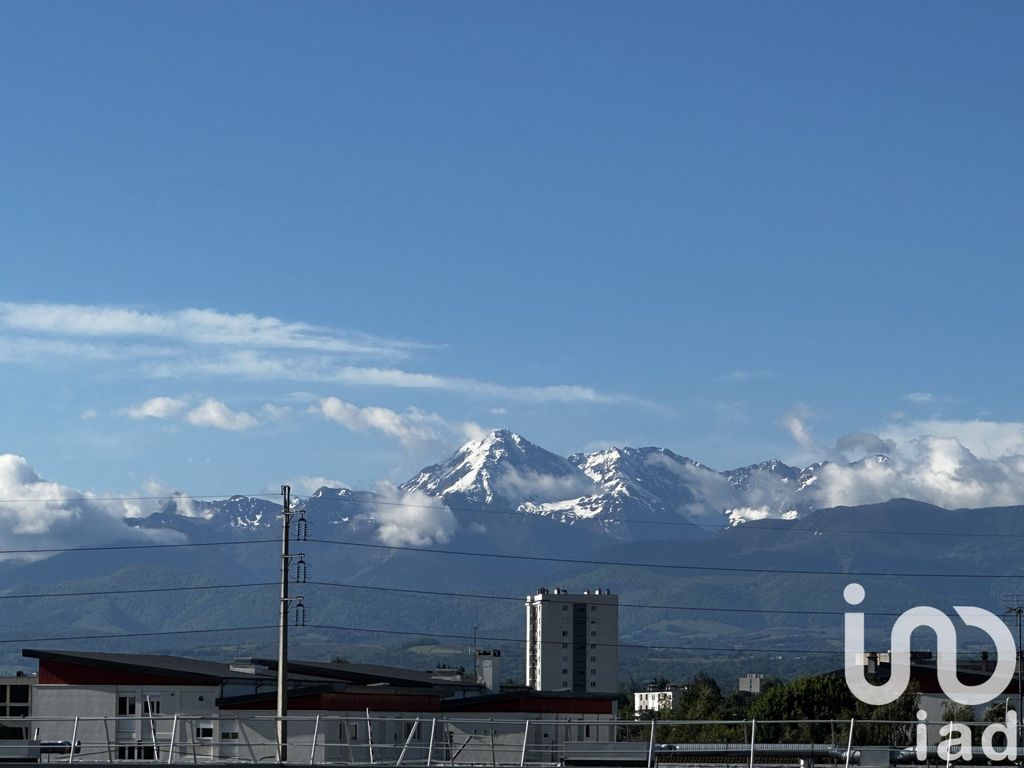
{"points": [[282, 640], [1019, 611]]}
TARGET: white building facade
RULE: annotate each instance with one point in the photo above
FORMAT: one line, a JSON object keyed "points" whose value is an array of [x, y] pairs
{"points": [[751, 682], [654, 701], [572, 641]]}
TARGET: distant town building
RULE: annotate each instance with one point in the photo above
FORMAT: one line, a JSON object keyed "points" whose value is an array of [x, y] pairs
{"points": [[655, 699], [751, 682], [572, 641]]}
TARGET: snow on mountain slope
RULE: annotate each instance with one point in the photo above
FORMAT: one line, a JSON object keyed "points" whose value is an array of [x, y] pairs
{"points": [[623, 491], [238, 513], [628, 493], [502, 470], [654, 485], [754, 474]]}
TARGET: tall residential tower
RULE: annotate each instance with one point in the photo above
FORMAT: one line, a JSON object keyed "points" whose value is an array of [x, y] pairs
{"points": [[572, 641]]}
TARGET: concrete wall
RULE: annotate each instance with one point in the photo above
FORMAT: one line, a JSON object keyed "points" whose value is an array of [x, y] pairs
{"points": [[54, 708]]}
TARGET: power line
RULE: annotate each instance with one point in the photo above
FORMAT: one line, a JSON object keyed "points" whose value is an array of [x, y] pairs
{"points": [[695, 608], [425, 592], [370, 630], [117, 547], [533, 558], [670, 566], [172, 497], [758, 524], [144, 590], [116, 635], [630, 646], [120, 635], [427, 633], [522, 641], [753, 525]]}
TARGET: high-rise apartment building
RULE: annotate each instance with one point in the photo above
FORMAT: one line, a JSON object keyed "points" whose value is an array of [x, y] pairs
{"points": [[572, 641]]}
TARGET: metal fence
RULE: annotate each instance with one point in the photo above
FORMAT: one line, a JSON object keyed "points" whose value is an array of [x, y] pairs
{"points": [[429, 740]]}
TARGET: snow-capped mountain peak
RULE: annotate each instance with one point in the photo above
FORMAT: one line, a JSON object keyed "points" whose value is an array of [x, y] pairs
{"points": [[630, 493], [744, 477], [502, 469]]}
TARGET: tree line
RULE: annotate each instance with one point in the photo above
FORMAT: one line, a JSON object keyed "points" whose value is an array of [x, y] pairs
{"points": [[779, 710]]}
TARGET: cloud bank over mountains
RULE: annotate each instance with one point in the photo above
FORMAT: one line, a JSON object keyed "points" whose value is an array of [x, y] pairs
{"points": [[982, 466], [950, 464], [38, 514], [251, 364]]}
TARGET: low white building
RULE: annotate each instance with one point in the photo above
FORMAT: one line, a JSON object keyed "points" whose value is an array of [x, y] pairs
{"points": [[137, 707]]}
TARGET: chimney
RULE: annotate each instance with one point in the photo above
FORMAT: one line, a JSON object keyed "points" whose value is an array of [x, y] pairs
{"points": [[487, 669]]}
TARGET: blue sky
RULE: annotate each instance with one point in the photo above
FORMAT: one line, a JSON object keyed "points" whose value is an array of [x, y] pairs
{"points": [[737, 230]]}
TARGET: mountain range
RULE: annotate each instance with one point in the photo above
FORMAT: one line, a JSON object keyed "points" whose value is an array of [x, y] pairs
{"points": [[622, 493], [753, 558]]}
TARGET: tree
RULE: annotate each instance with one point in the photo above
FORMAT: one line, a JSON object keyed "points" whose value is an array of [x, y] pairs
{"points": [[700, 699], [828, 698], [897, 720], [825, 697], [957, 713], [996, 713]]}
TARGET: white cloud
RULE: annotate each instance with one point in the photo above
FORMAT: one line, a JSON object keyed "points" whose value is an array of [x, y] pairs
{"points": [[205, 342], [214, 413], [858, 444], [37, 513], [941, 471], [740, 515], [950, 464], [209, 413], [921, 398], [271, 412], [196, 326], [307, 484], [529, 485], [88, 415], [711, 492], [984, 438], [412, 427], [20, 350], [558, 393], [412, 519], [796, 423], [325, 370], [157, 408]]}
